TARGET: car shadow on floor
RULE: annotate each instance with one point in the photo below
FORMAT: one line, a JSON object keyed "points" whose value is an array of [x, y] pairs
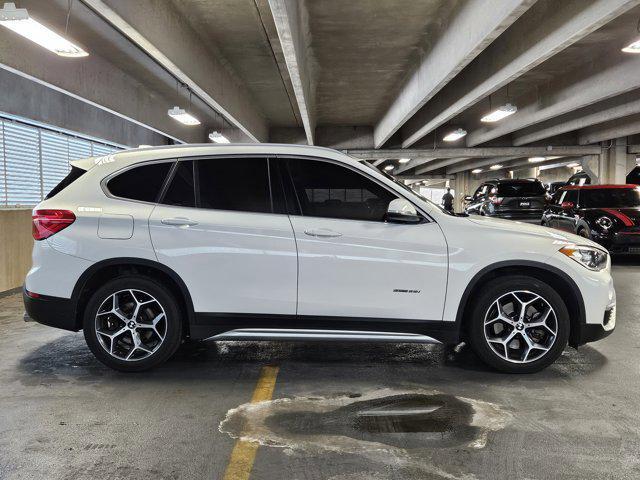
{"points": [[67, 358]]}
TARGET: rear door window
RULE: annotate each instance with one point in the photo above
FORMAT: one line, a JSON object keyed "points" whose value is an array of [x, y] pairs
{"points": [[142, 183], [181, 191], [238, 184]]}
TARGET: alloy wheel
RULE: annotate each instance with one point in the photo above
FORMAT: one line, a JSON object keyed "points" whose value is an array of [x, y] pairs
{"points": [[131, 325], [520, 326]]}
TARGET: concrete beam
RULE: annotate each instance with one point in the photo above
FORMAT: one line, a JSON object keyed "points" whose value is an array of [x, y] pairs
{"points": [[440, 164], [525, 163], [610, 76], [473, 28], [614, 108], [633, 149], [291, 19], [147, 23], [547, 28], [423, 177], [93, 79], [479, 164], [621, 127], [421, 156], [34, 101]]}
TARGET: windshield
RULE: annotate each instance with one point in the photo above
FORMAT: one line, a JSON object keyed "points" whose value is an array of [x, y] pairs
{"points": [[520, 189], [610, 198], [408, 189]]}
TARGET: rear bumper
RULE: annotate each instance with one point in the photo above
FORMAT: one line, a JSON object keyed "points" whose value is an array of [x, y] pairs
{"points": [[51, 311], [532, 215]]}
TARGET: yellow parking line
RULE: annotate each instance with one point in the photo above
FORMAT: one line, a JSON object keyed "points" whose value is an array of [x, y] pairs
{"points": [[244, 453]]}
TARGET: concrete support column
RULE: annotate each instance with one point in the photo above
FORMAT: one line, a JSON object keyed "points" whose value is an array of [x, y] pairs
{"points": [[617, 161]]}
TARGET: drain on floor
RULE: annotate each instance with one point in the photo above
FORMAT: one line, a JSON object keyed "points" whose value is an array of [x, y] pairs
{"points": [[390, 420]]}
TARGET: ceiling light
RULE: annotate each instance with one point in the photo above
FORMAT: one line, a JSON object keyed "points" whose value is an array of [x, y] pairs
{"points": [[476, 170], [495, 167], [182, 116], [537, 159], [217, 137], [144, 146], [389, 167], [404, 160], [500, 113], [573, 165], [633, 48], [18, 20], [455, 135]]}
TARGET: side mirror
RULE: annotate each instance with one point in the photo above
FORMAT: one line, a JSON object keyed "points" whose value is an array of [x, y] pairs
{"points": [[567, 205], [468, 198], [402, 211]]}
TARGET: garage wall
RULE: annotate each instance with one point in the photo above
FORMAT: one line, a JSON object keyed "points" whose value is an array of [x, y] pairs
{"points": [[16, 243]]}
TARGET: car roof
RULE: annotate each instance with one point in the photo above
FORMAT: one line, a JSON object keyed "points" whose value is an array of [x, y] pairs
{"points": [[124, 158], [598, 187]]}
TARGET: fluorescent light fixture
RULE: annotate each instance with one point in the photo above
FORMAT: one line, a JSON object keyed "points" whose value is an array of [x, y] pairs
{"points": [[217, 137], [476, 170], [455, 135], [182, 116], [502, 112], [537, 159], [573, 165], [144, 146], [633, 48], [495, 167], [389, 167], [18, 20], [404, 160]]}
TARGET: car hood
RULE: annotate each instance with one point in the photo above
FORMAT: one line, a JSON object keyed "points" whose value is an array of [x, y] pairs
{"points": [[528, 229]]}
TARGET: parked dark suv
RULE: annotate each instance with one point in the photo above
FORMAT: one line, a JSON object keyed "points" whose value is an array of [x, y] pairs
{"points": [[521, 199]]}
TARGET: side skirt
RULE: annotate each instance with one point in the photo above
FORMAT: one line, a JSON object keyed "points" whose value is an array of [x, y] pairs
{"points": [[235, 326]]}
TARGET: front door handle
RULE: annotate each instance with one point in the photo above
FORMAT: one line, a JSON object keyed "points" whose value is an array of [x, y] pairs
{"points": [[322, 232], [179, 222]]}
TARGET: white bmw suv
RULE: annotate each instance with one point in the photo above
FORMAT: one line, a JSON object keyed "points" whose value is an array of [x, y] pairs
{"points": [[147, 248]]}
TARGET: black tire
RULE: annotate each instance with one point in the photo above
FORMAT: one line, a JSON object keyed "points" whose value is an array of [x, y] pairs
{"points": [[173, 331], [483, 302], [584, 232]]}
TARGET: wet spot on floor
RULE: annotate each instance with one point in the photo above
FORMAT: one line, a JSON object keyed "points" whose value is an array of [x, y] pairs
{"points": [[404, 424]]}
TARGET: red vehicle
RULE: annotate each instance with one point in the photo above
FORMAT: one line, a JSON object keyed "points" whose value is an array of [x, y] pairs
{"points": [[607, 214]]}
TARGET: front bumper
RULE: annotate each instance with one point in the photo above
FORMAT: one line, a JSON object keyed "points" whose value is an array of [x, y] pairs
{"points": [[621, 242], [592, 332], [51, 311]]}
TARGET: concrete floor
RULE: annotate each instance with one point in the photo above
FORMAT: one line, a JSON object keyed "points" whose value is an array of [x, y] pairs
{"points": [[64, 415]]}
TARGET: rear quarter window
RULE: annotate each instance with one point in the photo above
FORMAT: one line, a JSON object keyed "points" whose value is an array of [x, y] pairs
{"points": [[71, 177], [141, 183]]}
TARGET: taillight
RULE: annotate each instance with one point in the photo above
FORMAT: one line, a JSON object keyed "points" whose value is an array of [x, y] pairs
{"points": [[48, 222], [496, 200]]}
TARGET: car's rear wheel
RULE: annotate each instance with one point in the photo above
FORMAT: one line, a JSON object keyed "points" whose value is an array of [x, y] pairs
{"points": [[519, 324], [132, 323]]}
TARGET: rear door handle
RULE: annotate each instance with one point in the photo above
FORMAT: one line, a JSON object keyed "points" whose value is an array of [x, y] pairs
{"points": [[322, 232], [179, 222]]}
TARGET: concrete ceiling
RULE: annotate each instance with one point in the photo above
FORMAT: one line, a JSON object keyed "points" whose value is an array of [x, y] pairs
{"points": [[354, 74]]}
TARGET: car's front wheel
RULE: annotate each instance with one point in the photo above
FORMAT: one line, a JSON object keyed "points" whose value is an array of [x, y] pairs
{"points": [[518, 324], [132, 323]]}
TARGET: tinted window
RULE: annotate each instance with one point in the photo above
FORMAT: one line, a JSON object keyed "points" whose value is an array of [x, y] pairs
{"points": [[71, 177], [520, 189], [140, 183], [610, 198], [332, 191], [240, 184], [181, 191]]}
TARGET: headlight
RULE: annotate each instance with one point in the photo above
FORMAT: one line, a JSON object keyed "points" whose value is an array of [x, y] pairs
{"points": [[590, 257], [605, 223]]}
